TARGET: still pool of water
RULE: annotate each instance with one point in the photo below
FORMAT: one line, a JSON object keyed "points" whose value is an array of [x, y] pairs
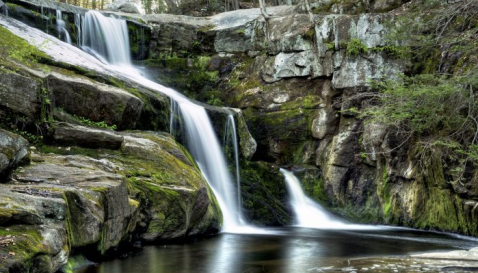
{"points": [[293, 250]]}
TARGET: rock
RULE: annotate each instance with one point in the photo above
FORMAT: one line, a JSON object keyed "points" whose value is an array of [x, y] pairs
{"points": [[358, 71], [20, 93], [289, 34], [76, 135], [122, 6], [175, 200], [95, 101], [264, 194], [247, 143], [13, 148], [323, 123], [98, 207], [372, 139], [301, 64], [387, 5]]}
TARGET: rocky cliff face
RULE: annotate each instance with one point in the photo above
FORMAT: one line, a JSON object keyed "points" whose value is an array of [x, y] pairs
{"points": [[295, 79]]}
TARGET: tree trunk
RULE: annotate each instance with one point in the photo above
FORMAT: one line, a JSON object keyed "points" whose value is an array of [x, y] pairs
{"points": [[262, 4]]}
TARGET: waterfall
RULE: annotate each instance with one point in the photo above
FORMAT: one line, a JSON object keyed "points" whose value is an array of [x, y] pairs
{"points": [[230, 131], [5, 10], [61, 27], [307, 212], [78, 28], [107, 39]]}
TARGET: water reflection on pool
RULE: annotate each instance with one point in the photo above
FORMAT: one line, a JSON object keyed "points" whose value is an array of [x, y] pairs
{"points": [[282, 250]]}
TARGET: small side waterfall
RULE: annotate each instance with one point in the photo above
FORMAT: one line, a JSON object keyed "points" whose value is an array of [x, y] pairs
{"points": [[230, 132], [61, 27], [307, 212], [78, 28], [5, 10], [107, 39]]}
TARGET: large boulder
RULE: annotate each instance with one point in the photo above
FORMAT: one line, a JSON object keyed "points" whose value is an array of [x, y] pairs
{"points": [[13, 148], [94, 101], [68, 134], [175, 200], [20, 94], [60, 203]]}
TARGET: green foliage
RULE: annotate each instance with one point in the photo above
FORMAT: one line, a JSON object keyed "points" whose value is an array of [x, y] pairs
{"points": [[100, 124], [423, 104], [398, 52], [438, 111], [356, 47]]}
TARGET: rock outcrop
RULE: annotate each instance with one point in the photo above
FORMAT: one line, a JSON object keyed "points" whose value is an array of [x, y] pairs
{"points": [[13, 149]]}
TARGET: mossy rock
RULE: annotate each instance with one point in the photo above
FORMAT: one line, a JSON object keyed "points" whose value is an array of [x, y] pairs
{"points": [[264, 195]]}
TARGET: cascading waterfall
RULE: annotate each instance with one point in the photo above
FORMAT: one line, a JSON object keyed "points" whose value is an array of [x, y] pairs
{"points": [[107, 39], [230, 132], [61, 27], [307, 212], [5, 10]]}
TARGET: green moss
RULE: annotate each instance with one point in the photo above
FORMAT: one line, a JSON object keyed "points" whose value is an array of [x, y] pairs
{"points": [[263, 192], [29, 242], [74, 263], [14, 48], [46, 149]]}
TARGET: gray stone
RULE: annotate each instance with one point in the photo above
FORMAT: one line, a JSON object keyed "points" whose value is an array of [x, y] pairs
{"points": [[323, 123], [247, 143], [20, 93], [67, 134], [122, 6], [358, 71], [86, 185], [95, 101], [13, 148]]}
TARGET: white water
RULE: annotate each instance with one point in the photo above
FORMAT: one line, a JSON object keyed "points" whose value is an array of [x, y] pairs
{"points": [[308, 213], [230, 131], [107, 39], [78, 28], [60, 24]]}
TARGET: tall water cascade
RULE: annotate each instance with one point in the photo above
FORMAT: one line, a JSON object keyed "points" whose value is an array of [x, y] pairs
{"points": [[231, 134], [5, 9], [107, 39], [307, 212], [61, 26]]}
